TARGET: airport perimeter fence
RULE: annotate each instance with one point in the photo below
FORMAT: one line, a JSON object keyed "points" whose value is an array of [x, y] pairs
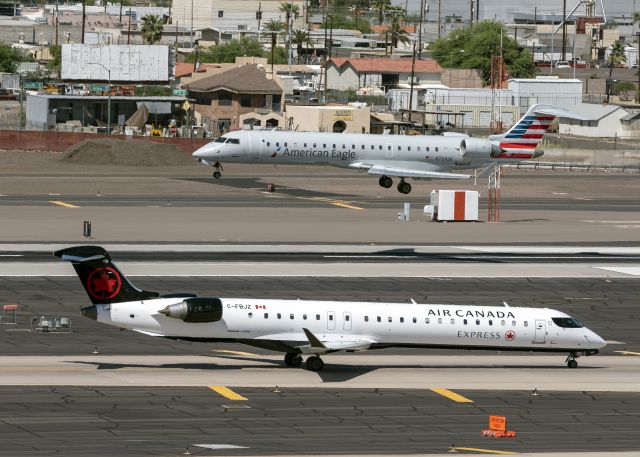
{"points": [[60, 141], [569, 166]]}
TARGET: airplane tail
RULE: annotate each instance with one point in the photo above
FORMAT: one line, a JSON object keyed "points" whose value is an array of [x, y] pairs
{"points": [[521, 140], [102, 280]]}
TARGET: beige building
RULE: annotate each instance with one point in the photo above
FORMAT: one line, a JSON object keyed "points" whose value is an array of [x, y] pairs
{"points": [[227, 14], [329, 118]]}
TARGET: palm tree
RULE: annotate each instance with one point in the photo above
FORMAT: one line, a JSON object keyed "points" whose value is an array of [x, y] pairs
{"points": [[380, 7], [152, 25], [299, 38], [291, 11], [273, 28], [616, 57], [397, 34]]}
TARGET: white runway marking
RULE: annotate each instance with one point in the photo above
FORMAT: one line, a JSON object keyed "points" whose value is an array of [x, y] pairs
{"points": [[633, 271], [220, 446]]}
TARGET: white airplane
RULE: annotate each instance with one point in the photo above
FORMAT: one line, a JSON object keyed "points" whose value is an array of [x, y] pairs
{"points": [[387, 156], [314, 328]]}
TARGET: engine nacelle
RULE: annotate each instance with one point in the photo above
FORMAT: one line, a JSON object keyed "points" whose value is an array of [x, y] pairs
{"points": [[195, 310], [476, 148]]}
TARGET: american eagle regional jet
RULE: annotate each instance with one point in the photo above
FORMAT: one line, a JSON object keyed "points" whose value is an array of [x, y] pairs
{"points": [[312, 328], [386, 156]]}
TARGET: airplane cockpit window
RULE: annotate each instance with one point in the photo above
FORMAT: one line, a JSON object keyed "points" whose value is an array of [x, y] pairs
{"points": [[233, 141], [566, 322], [220, 140]]}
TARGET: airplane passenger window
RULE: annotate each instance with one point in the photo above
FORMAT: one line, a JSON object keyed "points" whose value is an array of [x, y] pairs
{"points": [[388, 148], [285, 145], [464, 321], [266, 315], [426, 320], [398, 148], [290, 316], [277, 144], [427, 148], [366, 318], [389, 318], [324, 145], [379, 319], [317, 317], [268, 143], [453, 321], [526, 323], [439, 320], [372, 147], [334, 146], [401, 319], [279, 316], [347, 318], [304, 317], [362, 147], [250, 315], [314, 145], [305, 145], [353, 146], [513, 323], [344, 146], [415, 320], [490, 322], [502, 323], [380, 147], [419, 148], [436, 148], [330, 317], [477, 321], [408, 148]]}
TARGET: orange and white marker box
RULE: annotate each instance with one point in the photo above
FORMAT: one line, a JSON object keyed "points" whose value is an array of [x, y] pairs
{"points": [[453, 205]]}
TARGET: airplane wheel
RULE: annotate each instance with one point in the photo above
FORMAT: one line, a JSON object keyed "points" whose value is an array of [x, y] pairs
{"points": [[385, 182], [572, 364], [404, 187], [314, 363], [292, 359], [217, 174]]}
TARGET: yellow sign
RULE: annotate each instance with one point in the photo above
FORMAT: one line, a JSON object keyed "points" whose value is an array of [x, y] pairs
{"points": [[498, 423], [186, 106], [343, 115]]}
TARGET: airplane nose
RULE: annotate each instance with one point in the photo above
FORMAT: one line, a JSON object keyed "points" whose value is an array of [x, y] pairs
{"points": [[200, 153], [90, 311]]}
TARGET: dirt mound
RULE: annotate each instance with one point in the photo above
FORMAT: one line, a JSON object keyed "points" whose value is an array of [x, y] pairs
{"points": [[108, 151]]}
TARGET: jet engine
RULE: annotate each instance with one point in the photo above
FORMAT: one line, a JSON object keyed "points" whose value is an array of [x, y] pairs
{"points": [[476, 148], [195, 310]]}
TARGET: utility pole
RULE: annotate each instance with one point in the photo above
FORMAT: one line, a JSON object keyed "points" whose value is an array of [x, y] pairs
{"points": [[324, 60], [471, 13], [56, 22], [84, 19], [191, 24], [413, 72], [422, 7], [564, 30], [439, 17], [129, 29]]}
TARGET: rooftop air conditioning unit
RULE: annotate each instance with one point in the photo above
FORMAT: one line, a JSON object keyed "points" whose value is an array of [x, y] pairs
{"points": [[242, 26]]}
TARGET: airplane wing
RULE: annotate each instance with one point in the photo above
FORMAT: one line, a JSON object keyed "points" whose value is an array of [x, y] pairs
{"points": [[407, 172], [308, 343]]}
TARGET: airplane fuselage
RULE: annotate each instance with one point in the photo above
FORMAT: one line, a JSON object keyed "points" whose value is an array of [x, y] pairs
{"points": [[361, 325]]}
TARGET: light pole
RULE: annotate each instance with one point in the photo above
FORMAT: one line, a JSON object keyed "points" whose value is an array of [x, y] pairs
{"points": [[108, 96]]}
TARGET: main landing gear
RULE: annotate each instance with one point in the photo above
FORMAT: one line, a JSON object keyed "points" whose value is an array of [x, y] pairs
{"points": [[571, 360], [313, 363], [217, 174], [387, 182], [404, 187]]}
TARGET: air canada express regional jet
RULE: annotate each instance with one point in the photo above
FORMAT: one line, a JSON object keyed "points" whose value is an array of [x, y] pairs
{"points": [[314, 328], [386, 156]]}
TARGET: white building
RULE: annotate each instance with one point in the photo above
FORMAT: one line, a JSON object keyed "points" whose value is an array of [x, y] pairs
{"points": [[604, 121], [550, 90], [228, 14]]}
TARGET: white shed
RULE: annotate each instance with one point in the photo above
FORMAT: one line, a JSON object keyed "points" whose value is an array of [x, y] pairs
{"points": [[604, 121], [549, 90]]}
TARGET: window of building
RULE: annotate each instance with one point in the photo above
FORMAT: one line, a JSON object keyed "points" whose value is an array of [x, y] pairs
{"points": [[245, 100], [220, 13], [314, 145], [225, 98], [389, 148]]}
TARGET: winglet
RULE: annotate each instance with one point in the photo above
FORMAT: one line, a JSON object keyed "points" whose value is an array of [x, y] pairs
{"points": [[315, 342]]}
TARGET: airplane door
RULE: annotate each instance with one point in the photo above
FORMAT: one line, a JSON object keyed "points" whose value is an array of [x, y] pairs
{"points": [[331, 320], [346, 319], [541, 330], [389, 150], [255, 143]]}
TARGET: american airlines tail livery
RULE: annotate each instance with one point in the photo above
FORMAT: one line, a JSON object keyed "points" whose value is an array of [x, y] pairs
{"points": [[313, 328], [386, 156]]}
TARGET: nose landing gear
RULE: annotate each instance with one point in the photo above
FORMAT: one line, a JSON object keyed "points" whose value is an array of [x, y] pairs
{"points": [[571, 360], [218, 167]]}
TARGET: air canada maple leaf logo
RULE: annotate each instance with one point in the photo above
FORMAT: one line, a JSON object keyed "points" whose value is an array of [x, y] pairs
{"points": [[104, 283], [510, 335]]}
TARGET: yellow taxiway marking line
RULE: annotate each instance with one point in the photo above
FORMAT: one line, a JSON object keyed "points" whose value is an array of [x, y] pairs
{"points": [[226, 392], [345, 205], [452, 395], [488, 451], [61, 203], [244, 354], [627, 352]]}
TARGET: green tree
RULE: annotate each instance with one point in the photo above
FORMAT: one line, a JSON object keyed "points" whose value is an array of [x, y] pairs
{"points": [[10, 58], [299, 38], [616, 57], [380, 7], [624, 89], [56, 58], [291, 11], [227, 52], [396, 33], [273, 28], [152, 26], [473, 47]]}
